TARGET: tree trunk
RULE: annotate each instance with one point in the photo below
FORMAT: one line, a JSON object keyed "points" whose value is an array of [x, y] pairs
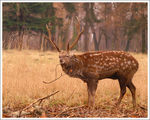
{"points": [[20, 39], [20, 28], [96, 41], [143, 41], [41, 42], [5, 39], [128, 44], [86, 39]]}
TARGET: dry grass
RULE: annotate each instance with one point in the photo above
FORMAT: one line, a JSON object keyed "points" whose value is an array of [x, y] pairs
{"points": [[23, 73]]}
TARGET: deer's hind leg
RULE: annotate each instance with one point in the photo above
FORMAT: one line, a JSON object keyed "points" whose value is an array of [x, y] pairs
{"points": [[91, 87], [133, 92], [122, 83]]}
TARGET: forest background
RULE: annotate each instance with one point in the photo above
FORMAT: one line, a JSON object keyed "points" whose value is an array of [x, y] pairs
{"points": [[108, 26]]}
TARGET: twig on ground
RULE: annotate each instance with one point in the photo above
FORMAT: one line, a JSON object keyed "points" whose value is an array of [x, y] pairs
{"points": [[142, 107], [68, 109], [39, 100]]}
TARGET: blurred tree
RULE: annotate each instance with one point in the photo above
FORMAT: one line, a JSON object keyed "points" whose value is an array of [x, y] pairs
{"points": [[70, 8], [70, 30], [137, 23], [108, 26], [92, 20], [28, 17]]}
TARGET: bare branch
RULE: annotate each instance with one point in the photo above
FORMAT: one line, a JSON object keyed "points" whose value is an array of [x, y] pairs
{"points": [[38, 100]]}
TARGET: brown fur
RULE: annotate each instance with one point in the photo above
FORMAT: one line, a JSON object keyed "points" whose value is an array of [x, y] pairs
{"points": [[93, 66]]}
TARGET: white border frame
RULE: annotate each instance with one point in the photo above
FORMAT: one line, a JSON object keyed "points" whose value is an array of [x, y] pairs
{"points": [[124, 1]]}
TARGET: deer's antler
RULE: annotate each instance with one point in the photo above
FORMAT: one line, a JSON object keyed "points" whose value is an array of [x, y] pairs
{"points": [[78, 36], [49, 34]]}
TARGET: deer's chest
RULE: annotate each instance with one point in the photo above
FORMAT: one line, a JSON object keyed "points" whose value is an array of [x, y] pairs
{"points": [[73, 70]]}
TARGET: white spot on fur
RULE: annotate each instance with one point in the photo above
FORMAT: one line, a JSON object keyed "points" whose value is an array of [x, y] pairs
{"points": [[102, 67], [110, 59], [107, 58], [124, 68], [105, 64], [127, 66], [113, 58], [125, 59], [96, 62], [110, 63], [91, 55], [129, 62], [133, 61], [121, 64], [117, 60], [96, 54]]}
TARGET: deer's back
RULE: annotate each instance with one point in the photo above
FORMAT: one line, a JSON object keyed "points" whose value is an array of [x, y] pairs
{"points": [[109, 64]]}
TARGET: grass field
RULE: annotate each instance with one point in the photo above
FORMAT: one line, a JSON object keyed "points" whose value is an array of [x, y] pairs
{"points": [[24, 72]]}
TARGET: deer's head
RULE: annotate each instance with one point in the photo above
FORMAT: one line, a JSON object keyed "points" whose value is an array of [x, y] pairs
{"points": [[65, 56]]}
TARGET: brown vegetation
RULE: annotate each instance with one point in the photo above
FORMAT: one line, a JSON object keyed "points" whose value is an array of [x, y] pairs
{"points": [[24, 73]]}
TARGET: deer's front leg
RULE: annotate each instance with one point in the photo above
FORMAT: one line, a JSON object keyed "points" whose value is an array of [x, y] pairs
{"points": [[91, 87]]}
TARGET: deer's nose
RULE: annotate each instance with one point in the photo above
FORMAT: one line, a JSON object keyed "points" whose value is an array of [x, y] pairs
{"points": [[61, 61]]}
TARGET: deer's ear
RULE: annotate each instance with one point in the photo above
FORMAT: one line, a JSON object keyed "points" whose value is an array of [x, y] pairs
{"points": [[68, 48]]}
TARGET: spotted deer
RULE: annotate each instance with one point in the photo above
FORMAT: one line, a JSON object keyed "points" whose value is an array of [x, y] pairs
{"points": [[97, 65]]}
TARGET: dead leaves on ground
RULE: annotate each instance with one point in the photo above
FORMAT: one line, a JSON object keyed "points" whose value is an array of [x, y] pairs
{"points": [[64, 111]]}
